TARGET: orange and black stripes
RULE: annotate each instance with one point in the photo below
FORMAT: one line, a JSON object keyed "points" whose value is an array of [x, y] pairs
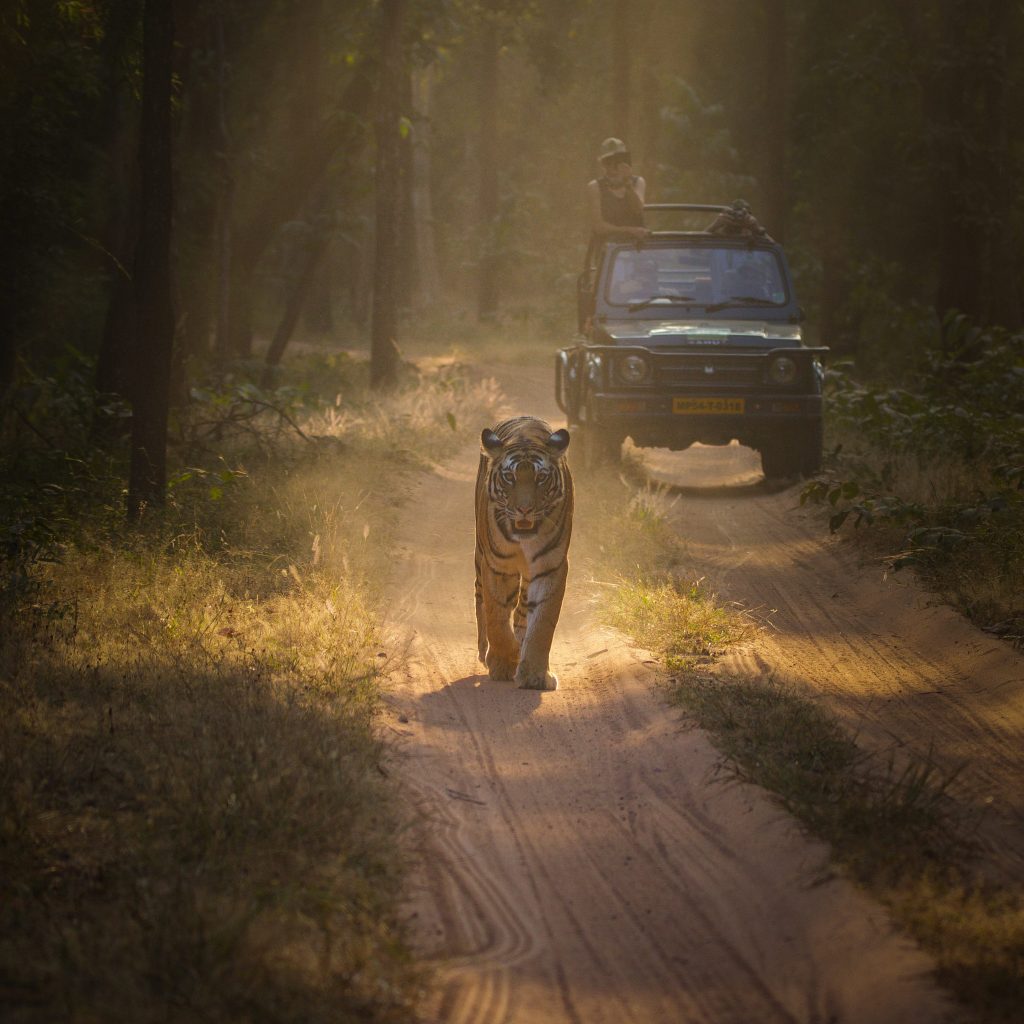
{"points": [[524, 512]]}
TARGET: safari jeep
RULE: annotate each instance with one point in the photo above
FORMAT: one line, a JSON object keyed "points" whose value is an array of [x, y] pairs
{"points": [[692, 336]]}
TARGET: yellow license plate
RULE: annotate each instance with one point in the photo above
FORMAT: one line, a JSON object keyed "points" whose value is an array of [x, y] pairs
{"points": [[707, 406]]}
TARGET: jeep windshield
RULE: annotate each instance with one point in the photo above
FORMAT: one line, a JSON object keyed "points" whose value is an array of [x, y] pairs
{"points": [[705, 275]]}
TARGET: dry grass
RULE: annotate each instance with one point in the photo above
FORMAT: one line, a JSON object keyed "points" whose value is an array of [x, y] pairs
{"points": [[196, 819], [623, 534], [425, 418], [620, 529], [675, 618]]}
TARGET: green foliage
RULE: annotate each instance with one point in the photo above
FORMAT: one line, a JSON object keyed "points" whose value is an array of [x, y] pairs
{"points": [[698, 158], [54, 482], [940, 465]]}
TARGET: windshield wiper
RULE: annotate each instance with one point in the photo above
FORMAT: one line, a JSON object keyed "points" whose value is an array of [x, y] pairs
{"points": [[740, 300], [634, 306]]}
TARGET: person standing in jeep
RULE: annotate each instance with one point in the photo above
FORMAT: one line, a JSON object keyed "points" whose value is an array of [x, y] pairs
{"points": [[616, 198]]}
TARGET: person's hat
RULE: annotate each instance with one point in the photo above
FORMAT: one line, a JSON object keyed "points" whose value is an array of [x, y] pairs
{"points": [[612, 147]]}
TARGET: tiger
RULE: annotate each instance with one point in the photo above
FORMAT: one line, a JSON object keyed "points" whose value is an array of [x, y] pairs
{"points": [[524, 507]]}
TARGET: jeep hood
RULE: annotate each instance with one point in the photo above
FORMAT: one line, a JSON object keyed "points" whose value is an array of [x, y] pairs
{"points": [[699, 333]]}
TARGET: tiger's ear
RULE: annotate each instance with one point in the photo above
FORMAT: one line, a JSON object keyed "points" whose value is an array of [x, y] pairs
{"points": [[490, 442], [558, 442]]}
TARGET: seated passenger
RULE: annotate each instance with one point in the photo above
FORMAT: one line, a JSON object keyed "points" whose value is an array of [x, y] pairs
{"points": [[634, 280], [751, 282], [616, 198]]}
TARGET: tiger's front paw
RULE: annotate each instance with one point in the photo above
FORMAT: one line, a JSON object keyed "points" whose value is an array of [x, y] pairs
{"points": [[500, 669], [533, 680]]}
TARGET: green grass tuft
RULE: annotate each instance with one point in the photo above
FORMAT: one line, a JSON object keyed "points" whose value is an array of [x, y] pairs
{"points": [[673, 617]]}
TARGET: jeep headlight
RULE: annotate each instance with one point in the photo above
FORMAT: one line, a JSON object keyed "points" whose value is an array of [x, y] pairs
{"points": [[782, 370], [633, 369]]}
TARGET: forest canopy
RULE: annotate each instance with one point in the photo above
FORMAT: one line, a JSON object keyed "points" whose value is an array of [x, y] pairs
{"points": [[358, 168]]}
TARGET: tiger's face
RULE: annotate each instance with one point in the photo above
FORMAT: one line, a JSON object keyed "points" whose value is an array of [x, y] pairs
{"points": [[526, 483]]}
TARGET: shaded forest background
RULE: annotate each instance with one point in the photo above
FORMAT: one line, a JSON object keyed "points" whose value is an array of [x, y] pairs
{"points": [[195, 806], [366, 170]]}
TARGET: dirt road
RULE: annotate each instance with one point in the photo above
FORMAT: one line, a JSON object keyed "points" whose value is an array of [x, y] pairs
{"points": [[904, 672], [584, 863]]}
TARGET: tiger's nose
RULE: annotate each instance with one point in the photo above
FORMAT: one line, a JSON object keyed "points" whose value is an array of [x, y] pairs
{"points": [[524, 510]]}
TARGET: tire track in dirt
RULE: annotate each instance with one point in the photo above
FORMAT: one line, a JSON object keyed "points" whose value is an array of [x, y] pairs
{"points": [[904, 672], [583, 862]]}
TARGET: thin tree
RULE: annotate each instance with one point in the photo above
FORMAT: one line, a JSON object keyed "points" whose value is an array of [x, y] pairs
{"points": [[775, 116], [321, 224], [154, 337], [487, 95], [428, 284], [384, 354], [622, 15], [226, 196]]}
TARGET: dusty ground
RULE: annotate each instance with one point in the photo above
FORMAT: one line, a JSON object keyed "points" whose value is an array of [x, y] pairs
{"points": [[585, 864]]}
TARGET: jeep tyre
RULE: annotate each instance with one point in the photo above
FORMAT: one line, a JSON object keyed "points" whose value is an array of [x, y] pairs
{"points": [[813, 444], [599, 446], [780, 459], [794, 453]]}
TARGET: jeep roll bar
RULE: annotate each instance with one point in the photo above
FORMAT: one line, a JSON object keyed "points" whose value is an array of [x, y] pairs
{"points": [[691, 207]]}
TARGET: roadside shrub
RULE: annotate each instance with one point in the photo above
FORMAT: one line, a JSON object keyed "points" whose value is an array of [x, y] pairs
{"points": [[939, 463]]}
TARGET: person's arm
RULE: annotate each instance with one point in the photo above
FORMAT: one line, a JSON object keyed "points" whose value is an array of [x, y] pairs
{"points": [[639, 189], [600, 226]]}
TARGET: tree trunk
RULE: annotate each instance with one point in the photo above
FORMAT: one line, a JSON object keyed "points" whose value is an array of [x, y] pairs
{"points": [[621, 57], [384, 355], [113, 362], [775, 118], [225, 200], [428, 283], [310, 262], [319, 307], [1004, 299], [147, 480], [956, 138], [408, 271], [487, 298], [834, 288]]}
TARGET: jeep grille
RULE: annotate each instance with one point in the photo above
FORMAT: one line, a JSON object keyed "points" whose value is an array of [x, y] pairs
{"points": [[712, 369]]}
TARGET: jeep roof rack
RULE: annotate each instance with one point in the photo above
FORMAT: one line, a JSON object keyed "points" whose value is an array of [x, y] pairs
{"points": [[693, 207]]}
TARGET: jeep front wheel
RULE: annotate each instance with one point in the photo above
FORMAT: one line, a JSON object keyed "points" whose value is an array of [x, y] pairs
{"points": [[794, 453], [599, 446], [813, 444], [781, 458]]}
